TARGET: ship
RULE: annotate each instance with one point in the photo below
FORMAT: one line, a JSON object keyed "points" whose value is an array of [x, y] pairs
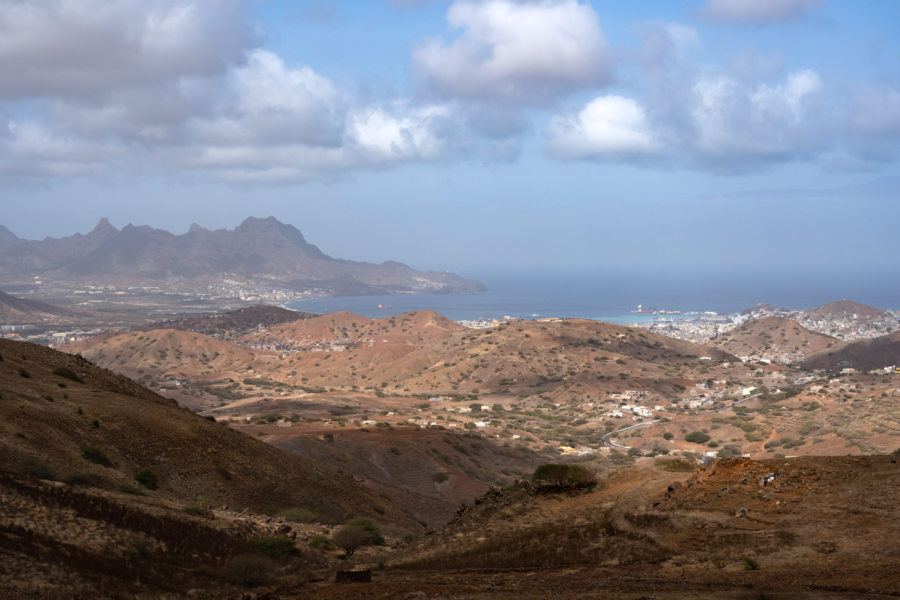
{"points": [[384, 306], [641, 310]]}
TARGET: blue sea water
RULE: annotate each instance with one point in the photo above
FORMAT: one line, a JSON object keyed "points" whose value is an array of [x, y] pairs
{"points": [[612, 295]]}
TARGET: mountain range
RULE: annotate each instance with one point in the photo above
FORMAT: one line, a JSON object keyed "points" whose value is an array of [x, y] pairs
{"points": [[257, 252]]}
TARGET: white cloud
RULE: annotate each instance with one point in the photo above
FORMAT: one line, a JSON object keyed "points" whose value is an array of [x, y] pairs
{"points": [[758, 12], [734, 121], [608, 126], [82, 47], [525, 52], [381, 137]]}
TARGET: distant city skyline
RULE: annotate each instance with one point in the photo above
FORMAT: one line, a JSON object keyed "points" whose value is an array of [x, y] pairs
{"points": [[466, 135]]}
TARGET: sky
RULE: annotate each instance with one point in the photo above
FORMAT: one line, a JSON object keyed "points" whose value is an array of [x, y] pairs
{"points": [[467, 135]]}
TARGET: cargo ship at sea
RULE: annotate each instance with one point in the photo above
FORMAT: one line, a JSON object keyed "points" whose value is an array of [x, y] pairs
{"points": [[643, 311]]}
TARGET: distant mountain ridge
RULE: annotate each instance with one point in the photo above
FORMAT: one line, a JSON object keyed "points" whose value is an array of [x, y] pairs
{"points": [[258, 251]]}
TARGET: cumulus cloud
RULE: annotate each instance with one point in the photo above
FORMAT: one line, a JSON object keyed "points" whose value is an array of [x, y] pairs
{"points": [[67, 47], [525, 52], [733, 121], [608, 126], [758, 12]]}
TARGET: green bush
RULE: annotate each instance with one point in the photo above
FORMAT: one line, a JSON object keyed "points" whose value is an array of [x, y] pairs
{"points": [[88, 480], [321, 542], [275, 547], [248, 570], [35, 468], [300, 515], [564, 476], [356, 533], [93, 454], [147, 478], [67, 373], [697, 437]]}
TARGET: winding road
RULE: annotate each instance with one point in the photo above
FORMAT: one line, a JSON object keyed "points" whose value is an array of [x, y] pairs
{"points": [[607, 439]]}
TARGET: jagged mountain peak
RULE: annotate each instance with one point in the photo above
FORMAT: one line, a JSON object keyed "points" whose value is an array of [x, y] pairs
{"points": [[103, 227]]}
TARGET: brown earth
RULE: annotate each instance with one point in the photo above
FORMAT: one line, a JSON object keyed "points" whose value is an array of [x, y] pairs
{"points": [[822, 527], [875, 353], [15, 310], [776, 336]]}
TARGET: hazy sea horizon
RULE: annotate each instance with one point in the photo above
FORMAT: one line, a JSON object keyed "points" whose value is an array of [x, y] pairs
{"points": [[611, 296]]}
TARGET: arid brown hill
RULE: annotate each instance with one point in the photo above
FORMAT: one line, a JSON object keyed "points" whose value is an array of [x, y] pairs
{"points": [[20, 311], [56, 405], [864, 355], [423, 353], [844, 309], [783, 339], [812, 527], [232, 323], [110, 491], [262, 251]]}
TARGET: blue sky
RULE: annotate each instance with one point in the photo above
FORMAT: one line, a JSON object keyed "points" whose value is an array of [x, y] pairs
{"points": [[468, 135]]}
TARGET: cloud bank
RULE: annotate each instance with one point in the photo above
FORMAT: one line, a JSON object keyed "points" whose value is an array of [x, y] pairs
{"points": [[183, 86]]}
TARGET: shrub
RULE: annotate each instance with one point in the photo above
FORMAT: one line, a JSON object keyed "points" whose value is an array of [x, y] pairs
{"points": [[93, 454], [439, 477], [697, 437], [299, 515], [668, 435], [88, 480], [147, 478], [275, 547], [67, 373], [24, 373], [35, 468], [248, 570], [321, 542], [564, 476], [356, 533]]}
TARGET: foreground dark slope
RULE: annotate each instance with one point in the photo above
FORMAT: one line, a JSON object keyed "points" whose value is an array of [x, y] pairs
{"points": [[822, 527], [71, 525]]}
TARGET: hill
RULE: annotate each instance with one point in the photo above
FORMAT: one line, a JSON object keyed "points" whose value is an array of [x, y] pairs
{"points": [[863, 355], [844, 309], [259, 251], [819, 527], [15, 311], [7, 237], [232, 323], [775, 338], [74, 519]]}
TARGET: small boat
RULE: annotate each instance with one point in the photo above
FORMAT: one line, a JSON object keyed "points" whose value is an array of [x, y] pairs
{"points": [[384, 306]]}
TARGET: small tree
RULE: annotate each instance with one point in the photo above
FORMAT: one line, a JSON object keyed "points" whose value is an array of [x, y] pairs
{"points": [[697, 437], [564, 476], [356, 533]]}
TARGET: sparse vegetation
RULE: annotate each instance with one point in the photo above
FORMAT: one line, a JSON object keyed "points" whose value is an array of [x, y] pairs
{"points": [[67, 373], [147, 478], [275, 547], [95, 455]]}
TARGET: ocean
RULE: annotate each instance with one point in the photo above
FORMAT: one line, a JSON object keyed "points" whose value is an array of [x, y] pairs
{"points": [[611, 296]]}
